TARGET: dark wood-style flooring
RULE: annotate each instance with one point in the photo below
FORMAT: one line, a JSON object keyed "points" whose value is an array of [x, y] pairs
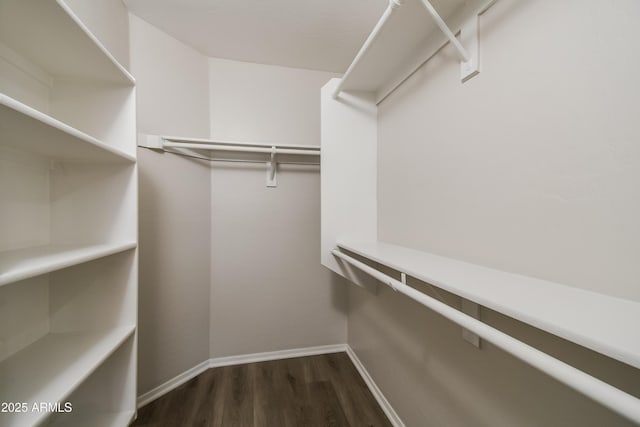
{"points": [[323, 390]]}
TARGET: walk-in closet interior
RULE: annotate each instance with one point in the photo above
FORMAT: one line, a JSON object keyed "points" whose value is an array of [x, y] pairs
{"points": [[319, 213]]}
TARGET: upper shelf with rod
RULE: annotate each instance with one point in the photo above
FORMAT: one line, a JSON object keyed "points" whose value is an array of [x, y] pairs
{"points": [[407, 35], [231, 151], [596, 321], [599, 322]]}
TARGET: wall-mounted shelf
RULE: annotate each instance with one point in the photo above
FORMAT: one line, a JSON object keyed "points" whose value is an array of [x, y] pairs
{"points": [[52, 367], [232, 151], [22, 264], [599, 322], [52, 36], [25, 128], [407, 35], [218, 148], [439, 268]]}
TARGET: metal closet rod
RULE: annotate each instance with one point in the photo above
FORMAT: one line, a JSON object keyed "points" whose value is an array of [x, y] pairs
{"points": [[615, 399], [247, 147], [230, 160]]}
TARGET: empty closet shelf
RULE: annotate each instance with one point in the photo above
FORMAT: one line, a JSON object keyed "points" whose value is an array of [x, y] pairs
{"points": [[30, 262], [51, 35], [602, 323], [25, 128], [408, 34], [52, 367], [613, 398]]}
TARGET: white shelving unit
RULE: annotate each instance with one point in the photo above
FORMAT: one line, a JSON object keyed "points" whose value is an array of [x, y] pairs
{"points": [[234, 151], [406, 36], [68, 220]]}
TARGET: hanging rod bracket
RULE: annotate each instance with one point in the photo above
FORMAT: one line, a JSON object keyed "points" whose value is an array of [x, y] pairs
{"points": [[472, 309], [466, 47], [272, 178], [469, 36]]}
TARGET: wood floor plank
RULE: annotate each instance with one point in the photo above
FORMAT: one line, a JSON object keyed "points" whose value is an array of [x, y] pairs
{"points": [[238, 399], [266, 397], [179, 404], [151, 414], [327, 409], [359, 405], [324, 390], [298, 409], [208, 407]]}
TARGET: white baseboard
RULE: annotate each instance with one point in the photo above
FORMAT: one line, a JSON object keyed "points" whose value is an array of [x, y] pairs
{"points": [[174, 382], [182, 378], [391, 414], [276, 355]]}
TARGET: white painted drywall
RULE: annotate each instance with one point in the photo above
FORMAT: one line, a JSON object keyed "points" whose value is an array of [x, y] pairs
{"points": [[254, 102], [172, 88], [174, 208], [532, 167], [268, 290], [261, 288], [316, 35]]}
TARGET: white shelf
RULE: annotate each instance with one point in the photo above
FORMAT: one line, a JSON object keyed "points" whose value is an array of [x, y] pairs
{"points": [[51, 368], [409, 37], [110, 419], [602, 323], [25, 128], [51, 35], [30, 262]]}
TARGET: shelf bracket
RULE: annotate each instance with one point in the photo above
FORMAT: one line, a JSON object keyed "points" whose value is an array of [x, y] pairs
{"points": [[472, 309], [469, 36], [272, 179], [470, 65]]}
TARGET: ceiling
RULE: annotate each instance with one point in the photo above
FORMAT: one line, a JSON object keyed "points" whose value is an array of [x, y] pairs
{"points": [[313, 34]]}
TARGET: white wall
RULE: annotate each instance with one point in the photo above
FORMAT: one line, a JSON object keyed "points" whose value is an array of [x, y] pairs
{"points": [[268, 290], [172, 94], [228, 267], [265, 102], [532, 167]]}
